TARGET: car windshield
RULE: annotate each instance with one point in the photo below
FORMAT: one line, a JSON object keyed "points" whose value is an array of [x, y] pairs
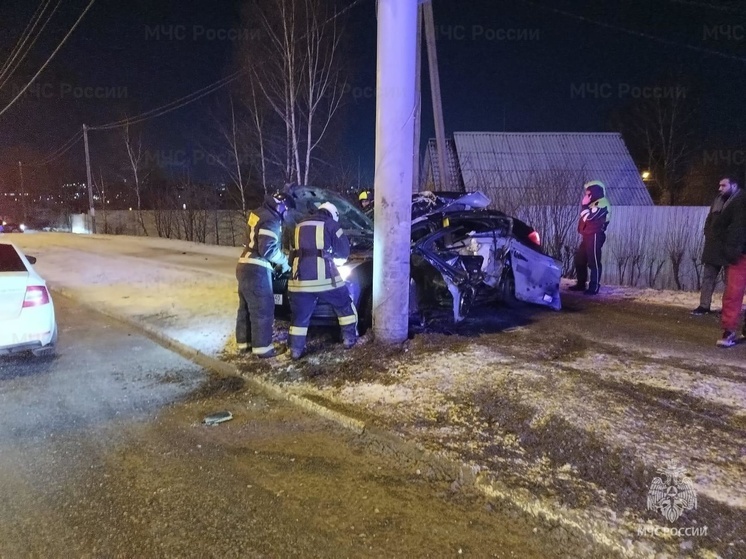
{"points": [[9, 259], [307, 200]]}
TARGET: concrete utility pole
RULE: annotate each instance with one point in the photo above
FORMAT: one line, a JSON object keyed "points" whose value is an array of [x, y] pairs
{"points": [[91, 209], [23, 200], [418, 109], [432, 62], [395, 107]]}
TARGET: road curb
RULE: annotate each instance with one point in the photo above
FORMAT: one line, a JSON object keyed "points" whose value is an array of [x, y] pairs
{"points": [[427, 463]]}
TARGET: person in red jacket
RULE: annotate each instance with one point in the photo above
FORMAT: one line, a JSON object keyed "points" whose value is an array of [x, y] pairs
{"points": [[595, 213]]}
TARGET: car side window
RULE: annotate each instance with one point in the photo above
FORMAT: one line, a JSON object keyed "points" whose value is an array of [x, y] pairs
{"points": [[9, 260]]}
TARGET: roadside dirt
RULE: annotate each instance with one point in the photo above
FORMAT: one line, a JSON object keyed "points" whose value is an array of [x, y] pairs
{"points": [[577, 411]]}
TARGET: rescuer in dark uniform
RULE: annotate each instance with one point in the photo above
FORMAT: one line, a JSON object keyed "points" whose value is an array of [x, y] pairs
{"points": [[318, 242], [256, 305], [365, 199]]}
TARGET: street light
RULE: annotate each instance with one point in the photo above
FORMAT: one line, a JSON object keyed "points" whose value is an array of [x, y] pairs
{"points": [[645, 175]]}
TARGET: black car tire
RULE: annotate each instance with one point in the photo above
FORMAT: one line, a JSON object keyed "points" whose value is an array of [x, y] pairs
{"points": [[507, 290], [365, 312]]}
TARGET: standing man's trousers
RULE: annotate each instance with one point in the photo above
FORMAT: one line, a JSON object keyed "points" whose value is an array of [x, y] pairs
{"points": [[588, 257], [709, 280]]}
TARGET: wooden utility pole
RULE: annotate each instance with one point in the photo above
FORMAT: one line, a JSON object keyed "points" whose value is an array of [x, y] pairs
{"points": [[91, 209], [395, 107], [23, 199], [432, 62]]}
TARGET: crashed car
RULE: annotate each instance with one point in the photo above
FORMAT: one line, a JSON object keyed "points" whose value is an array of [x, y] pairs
{"points": [[461, 253]]}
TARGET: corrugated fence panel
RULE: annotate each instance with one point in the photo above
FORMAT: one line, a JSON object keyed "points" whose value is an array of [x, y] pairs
{"points": [[644, 247], [643, 242]]}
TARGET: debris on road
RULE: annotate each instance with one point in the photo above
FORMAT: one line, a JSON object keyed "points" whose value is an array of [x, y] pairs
{"points": [[217, 418]]}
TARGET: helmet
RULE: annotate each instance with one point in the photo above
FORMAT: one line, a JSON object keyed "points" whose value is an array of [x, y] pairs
{"points": [[277, 201], [365, 195], [331, 209]]}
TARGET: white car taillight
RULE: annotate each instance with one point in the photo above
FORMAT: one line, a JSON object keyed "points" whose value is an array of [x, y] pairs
{"points": [[36, 295]]}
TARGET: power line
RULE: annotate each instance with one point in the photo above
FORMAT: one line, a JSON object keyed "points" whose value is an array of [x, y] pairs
{"points": [[22, 37], [52, 155], [717, 7], [59, 152], [153, 113], [196, 95], [636, 33], [8, 67], [51, 56], [172, 105]]}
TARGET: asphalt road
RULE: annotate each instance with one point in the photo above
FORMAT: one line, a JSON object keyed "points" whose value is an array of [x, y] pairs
{"points": [[103, 454]]}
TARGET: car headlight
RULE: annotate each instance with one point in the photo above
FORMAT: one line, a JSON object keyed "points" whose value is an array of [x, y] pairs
{"points": [[22, 227], [344, 272]]}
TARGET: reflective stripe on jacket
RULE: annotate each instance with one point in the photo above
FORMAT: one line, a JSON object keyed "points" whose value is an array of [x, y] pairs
{"points": [[317, 241], [264, 237]]}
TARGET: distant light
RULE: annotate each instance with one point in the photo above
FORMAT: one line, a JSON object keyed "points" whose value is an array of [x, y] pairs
{"points": [[184, 206], [645, 175]]}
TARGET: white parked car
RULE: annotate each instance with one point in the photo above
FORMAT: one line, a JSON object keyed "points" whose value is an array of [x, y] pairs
{"points": [[27, 321]]}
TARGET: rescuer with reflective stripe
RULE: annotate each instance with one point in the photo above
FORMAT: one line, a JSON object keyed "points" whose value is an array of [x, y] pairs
{"points": [[318, 241], [262, 254], [366, 200]]}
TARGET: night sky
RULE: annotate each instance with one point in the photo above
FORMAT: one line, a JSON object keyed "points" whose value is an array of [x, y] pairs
{"points": [[515, 66]]}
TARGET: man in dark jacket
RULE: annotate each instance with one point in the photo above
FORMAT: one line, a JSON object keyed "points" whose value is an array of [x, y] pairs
{"points": [[256, 304], [712, 261], [729, 231], [595, 213], [319, 241]]}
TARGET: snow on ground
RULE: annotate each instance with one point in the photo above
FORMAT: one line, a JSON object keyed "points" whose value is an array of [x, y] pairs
{"points": [[188, 291]]}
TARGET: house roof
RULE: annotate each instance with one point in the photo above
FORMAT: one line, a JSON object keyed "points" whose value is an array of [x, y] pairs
{"points": [[508, 165]]}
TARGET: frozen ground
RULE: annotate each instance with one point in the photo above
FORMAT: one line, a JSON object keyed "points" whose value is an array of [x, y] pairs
{"points": [[573, 427]]}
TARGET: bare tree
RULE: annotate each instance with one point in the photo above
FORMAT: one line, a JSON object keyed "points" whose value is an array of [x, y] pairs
{"points": [[236, 149], [666, 127], [661, 129], [135, 156], [296, 69], [676, 240]]}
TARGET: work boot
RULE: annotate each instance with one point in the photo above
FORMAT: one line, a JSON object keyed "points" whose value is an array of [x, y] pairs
{"points": [[243, 348], [274, 352], [576, 287], [349, 343], [296, 354]]}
